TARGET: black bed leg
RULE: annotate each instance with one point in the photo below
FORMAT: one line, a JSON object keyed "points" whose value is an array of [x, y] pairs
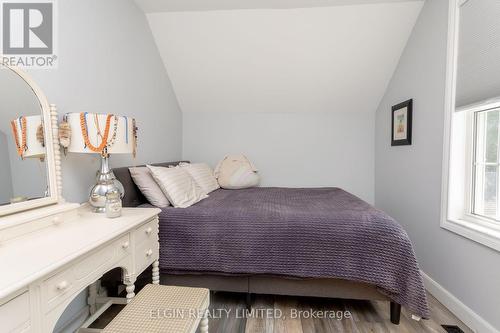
{"points": [[248, 301], [395, 313]]}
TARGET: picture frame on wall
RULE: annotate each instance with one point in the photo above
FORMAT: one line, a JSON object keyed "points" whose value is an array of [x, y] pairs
{"points": [[402, 114]]}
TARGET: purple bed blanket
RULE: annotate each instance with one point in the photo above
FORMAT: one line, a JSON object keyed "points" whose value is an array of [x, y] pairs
{"points": [[294, 232]]}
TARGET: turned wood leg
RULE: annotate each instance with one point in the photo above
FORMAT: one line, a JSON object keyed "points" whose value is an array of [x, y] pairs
{"points": [[395, 313], [130, 290], [204, 324], [156, 272]]}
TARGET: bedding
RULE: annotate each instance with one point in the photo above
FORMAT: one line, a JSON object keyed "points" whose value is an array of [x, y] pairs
{"points": [[293, 232]]}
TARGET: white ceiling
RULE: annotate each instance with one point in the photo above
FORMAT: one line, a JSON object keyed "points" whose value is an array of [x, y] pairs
{"points": [[154, 6], [330, 59]]}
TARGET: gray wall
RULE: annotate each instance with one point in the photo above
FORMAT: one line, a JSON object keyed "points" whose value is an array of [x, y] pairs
{"points": [[108, 62], [408, 178], [5, 174], [290, 149]]}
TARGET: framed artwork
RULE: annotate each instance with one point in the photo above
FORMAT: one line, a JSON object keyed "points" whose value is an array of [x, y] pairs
{"points": [[401, 123]]}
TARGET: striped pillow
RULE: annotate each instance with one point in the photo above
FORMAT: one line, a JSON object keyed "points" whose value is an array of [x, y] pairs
{"points": [[203, 175], [178, 186], [149, 187]]}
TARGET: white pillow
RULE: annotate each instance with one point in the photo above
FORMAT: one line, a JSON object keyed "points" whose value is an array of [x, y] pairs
{"points": [[147, 185], [203, 175], [236, 172], [178, 186]]}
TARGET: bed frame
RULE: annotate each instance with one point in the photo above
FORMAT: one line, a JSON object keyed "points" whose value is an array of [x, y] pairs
{"points": [[260, 284]]}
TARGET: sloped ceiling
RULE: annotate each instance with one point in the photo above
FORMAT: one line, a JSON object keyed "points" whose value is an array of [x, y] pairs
{"points": [[153, 6], [322, 59]]}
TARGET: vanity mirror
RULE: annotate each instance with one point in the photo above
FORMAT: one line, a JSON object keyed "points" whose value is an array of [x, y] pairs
{"points": [[28, 145]]}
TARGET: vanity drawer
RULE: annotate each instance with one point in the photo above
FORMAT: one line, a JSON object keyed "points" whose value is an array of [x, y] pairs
{"points": [[145, 254], [59, 286], [148, 232], [102, 258], [15, 314], [62, 285]]}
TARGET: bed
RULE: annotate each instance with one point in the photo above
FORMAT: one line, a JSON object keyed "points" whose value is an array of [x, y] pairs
{"points": [[322, 242]]}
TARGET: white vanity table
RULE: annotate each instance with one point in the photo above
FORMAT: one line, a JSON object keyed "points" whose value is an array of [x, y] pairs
{"points": [[50, 250], [45, 270]]}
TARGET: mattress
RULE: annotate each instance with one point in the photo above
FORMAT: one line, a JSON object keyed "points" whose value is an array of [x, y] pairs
{"points": [[293, 232]]}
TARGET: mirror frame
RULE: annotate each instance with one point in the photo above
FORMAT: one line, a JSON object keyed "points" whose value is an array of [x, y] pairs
{"points": [[52, 154]]}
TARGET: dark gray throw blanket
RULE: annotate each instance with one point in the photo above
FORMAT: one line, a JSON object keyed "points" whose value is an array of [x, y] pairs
{"points": [[295, 232]]}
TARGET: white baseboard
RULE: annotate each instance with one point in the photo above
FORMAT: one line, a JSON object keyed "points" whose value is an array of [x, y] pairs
{"points": [[459, 309]]}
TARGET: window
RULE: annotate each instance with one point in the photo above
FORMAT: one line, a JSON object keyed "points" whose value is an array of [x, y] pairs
{"points": [[471, 162], [486, 178]]}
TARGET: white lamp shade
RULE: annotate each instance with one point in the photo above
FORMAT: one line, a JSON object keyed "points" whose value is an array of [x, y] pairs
{"points": [[123, 144], [35, 148]]}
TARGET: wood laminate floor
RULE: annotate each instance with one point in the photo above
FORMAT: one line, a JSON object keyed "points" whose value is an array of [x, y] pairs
{"points": [[366, 316], [228, 309]]}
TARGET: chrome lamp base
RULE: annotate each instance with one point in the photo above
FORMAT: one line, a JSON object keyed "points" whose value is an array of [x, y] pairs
{"points": [[106, 182]]}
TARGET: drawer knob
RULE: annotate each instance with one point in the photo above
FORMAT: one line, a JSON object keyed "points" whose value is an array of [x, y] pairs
{"points": [[149, 253], [63, 285], [56, 220], [125, 245], [149, 230]]}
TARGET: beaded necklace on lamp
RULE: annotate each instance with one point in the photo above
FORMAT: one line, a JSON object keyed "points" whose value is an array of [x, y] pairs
{"points": [[134, 137], [104, 137], [112, 141], [21, 148], [106, 140], [96, 123]]}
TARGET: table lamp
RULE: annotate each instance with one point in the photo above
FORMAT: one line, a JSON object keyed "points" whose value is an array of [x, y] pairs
{"points": [[25, 130], [103, 134]]}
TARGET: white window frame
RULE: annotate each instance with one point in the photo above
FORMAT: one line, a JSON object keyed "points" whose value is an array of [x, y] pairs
{"points": [[472, 144], [456, 215]]}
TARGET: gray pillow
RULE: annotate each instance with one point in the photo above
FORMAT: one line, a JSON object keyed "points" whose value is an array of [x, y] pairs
{"points": [[145, 182]]}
